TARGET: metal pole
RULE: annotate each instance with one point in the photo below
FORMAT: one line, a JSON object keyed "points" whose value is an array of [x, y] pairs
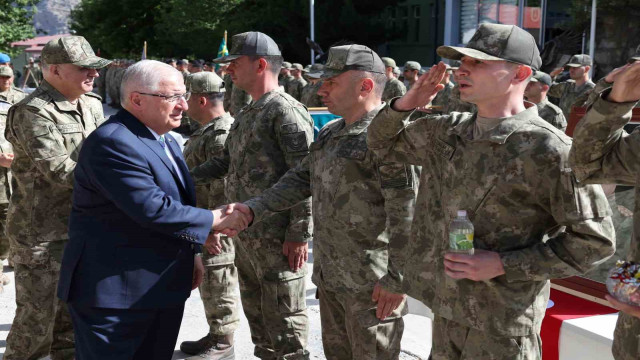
{"points": [[592, 37], [313, 35]]}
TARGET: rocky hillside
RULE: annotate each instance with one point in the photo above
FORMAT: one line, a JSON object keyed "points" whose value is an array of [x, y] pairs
{"points": [[53, 16]]}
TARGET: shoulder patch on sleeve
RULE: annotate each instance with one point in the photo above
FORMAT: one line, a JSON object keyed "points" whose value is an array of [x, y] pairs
{"points": [[295, 142], [395, 176], [289, 128]]}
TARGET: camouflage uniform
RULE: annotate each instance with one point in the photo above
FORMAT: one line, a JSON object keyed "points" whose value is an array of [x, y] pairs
{"points": [[456, 104], [46, 132], [284, 81], [570, 95], [234, 97], [310, 97], [393, 88], [362, 211], [295, 88], [218, 289], [268, 137], [11, 96], [113, 84], [35, 75], [552, 114], [514, 183], [444, 96], [101, 83], [603, 152]]}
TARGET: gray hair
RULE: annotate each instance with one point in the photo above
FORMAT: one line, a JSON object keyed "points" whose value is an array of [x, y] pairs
{"points": [[145, 75]]}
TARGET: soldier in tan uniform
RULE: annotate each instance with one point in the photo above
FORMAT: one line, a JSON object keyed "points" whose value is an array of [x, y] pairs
{"points": [[536, 92], [285, 75], [234, 97], [393, 87], [310, 97], [411, 72], [220, 283], [294, 86], [573, 92], [508, 169], [362, 210], [46, 130], [9, 95], [603, 153], [269, 136]]}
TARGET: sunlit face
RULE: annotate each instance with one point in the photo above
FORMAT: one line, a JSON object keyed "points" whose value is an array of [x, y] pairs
{"points": [[5, 83], [75, 80], [483, 80], [160, 114], [339, 93], [533, 90], [243, 71], [577, 73]]}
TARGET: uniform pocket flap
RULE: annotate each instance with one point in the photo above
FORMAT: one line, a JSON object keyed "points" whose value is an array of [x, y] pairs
{"points": [[69, 128]]}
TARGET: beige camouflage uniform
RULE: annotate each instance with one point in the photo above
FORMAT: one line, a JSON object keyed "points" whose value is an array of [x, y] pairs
{"points": [[362, 210], [295, 86], [46, 132], [444, 96], [218, 289], [310, 97], [552, 114], [269, 136], [234, 97], [603, 153], [9, 97], [393, 88], [515, 184], [570, 95]]}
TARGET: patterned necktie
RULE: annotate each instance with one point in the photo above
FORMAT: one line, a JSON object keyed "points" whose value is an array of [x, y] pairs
{"points": [[161, 140]]}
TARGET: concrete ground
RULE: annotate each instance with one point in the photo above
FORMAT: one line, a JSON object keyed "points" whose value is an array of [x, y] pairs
{"points": [[416, 342]]}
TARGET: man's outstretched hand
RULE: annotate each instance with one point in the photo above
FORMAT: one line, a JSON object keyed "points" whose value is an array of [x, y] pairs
{"points": [[231, 219]]}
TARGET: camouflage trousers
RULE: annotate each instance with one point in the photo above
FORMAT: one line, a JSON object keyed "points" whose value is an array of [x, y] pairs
{"points": [[626, 338], [273, 300], [219, 289], [42, 325], [351, 330], [453, 341], [4, 240]]}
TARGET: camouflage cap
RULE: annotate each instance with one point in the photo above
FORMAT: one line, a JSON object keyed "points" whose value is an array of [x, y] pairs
{"points": [[296, 66], [315, 68], [580, 60], [396, 70], [542, 77], [250, 43], [286, 65], [6, 71], [74, 50], [186, 61], [306, 69], [388, 62], [205, 83], [498, 42], [349, 57], [412, 65]]}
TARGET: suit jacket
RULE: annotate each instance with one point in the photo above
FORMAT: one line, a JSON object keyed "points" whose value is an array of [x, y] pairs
{"points": [[134, 227]]}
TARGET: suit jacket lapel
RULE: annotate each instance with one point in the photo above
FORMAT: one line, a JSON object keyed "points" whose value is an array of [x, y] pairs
{"points": [[177, 156]]}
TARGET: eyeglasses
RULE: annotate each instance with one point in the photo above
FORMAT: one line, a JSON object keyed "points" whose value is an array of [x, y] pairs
{"points": [[169, 98]]}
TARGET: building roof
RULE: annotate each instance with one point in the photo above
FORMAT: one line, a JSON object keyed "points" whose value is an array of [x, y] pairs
{"points": [[36, 44]]}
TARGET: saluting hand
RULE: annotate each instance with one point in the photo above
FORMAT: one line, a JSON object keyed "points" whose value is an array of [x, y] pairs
{"points": [[424, 89], [626, 84]]}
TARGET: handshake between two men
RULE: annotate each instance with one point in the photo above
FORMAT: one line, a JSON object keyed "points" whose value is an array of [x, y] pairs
{"points": [[233, 218]]}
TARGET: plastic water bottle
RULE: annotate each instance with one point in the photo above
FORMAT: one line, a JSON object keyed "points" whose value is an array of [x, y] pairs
{"points": [[461, 234]]}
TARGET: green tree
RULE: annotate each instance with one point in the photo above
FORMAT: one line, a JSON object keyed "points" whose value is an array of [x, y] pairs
{"points": [[16, 23]]}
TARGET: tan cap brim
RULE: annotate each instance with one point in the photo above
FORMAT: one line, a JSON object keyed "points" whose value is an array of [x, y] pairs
{"points": [[93, 62], [456, 53]]}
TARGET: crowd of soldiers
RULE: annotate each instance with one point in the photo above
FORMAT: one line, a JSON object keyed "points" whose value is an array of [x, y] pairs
{"points": [[375, 191]]}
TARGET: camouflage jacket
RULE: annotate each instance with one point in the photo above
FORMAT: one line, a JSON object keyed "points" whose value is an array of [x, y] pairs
{"points": [[295, 87], [204, 144], [552, 114], [393, 88], [603, 153], [362, 208], [310, 97], [601, 85], [455, 104], [515, 186], [443, 96], [12, 96], [46, 132], [284, 81], [570, 95], [268, 137], [234, 97]]}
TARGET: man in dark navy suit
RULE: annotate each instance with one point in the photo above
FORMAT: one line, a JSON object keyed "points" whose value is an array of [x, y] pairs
{"points": [[134, 231]]}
